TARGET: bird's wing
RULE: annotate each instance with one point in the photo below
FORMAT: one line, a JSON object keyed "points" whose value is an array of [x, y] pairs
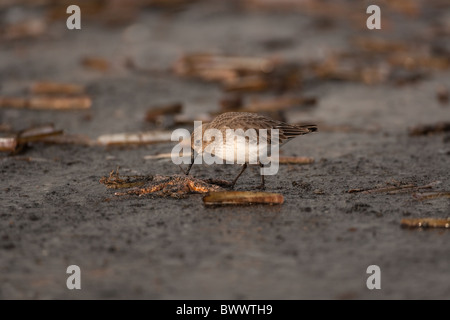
{"points": [[286, 131]]}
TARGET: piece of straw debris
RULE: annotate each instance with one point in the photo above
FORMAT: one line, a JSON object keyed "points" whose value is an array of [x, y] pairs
{"points": [[425, 223], [44, 87], [47, 103], [8, 144], [247, 84], [224, 69], [430, 129], [134, 138], [25, 29], [240, 74], [167, 156], [15, 142], [190, 64], [60, 103], [242, 198], [96, 63], [319, 191], [13, 102], [37, 133], [159, 156], [355, 190], [431, 195]]}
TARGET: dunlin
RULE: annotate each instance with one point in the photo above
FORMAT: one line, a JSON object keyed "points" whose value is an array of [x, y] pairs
{"points": [[244, 121]]}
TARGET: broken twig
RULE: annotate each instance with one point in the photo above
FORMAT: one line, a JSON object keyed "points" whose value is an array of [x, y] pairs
{"points": [[47, 103], [134, 138], [431, 195], [425, 223], [96, 64], [14, 143], [242, 198]]}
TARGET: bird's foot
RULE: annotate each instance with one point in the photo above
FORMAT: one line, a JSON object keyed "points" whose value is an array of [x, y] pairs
{"points": [[182, 170], [261, 187]]}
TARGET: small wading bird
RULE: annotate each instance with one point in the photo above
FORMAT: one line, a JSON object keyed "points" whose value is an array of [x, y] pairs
{"points": [[244, 121]]}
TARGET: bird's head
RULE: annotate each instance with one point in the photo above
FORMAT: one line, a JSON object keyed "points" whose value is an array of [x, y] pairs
{"points": [[197, 142]]}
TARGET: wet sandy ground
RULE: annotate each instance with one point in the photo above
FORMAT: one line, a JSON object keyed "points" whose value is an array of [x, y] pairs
{"points": [[318, 244]]}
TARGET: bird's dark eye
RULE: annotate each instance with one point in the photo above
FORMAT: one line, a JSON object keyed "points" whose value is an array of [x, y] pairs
{"points": [[197, 142]]}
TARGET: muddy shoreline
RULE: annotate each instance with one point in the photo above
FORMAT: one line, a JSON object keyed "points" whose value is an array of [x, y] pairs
{"points": [[316, 245]]}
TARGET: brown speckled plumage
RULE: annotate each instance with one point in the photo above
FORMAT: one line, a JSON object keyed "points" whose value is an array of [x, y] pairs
{"points": [[245, 121]]}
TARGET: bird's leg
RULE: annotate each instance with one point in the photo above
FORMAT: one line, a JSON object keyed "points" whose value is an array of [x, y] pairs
{"points": [[244, 166], [192, 161], [262, 185]]}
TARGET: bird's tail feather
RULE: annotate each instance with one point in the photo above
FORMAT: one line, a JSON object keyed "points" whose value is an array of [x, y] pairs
{"points": [[291, 131]]}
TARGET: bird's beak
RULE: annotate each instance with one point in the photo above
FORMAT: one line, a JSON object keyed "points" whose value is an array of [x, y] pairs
{"points": [[192, 161]]}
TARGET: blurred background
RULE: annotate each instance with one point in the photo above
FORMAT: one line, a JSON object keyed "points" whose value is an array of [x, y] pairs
{"points": [[193, 59]]}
